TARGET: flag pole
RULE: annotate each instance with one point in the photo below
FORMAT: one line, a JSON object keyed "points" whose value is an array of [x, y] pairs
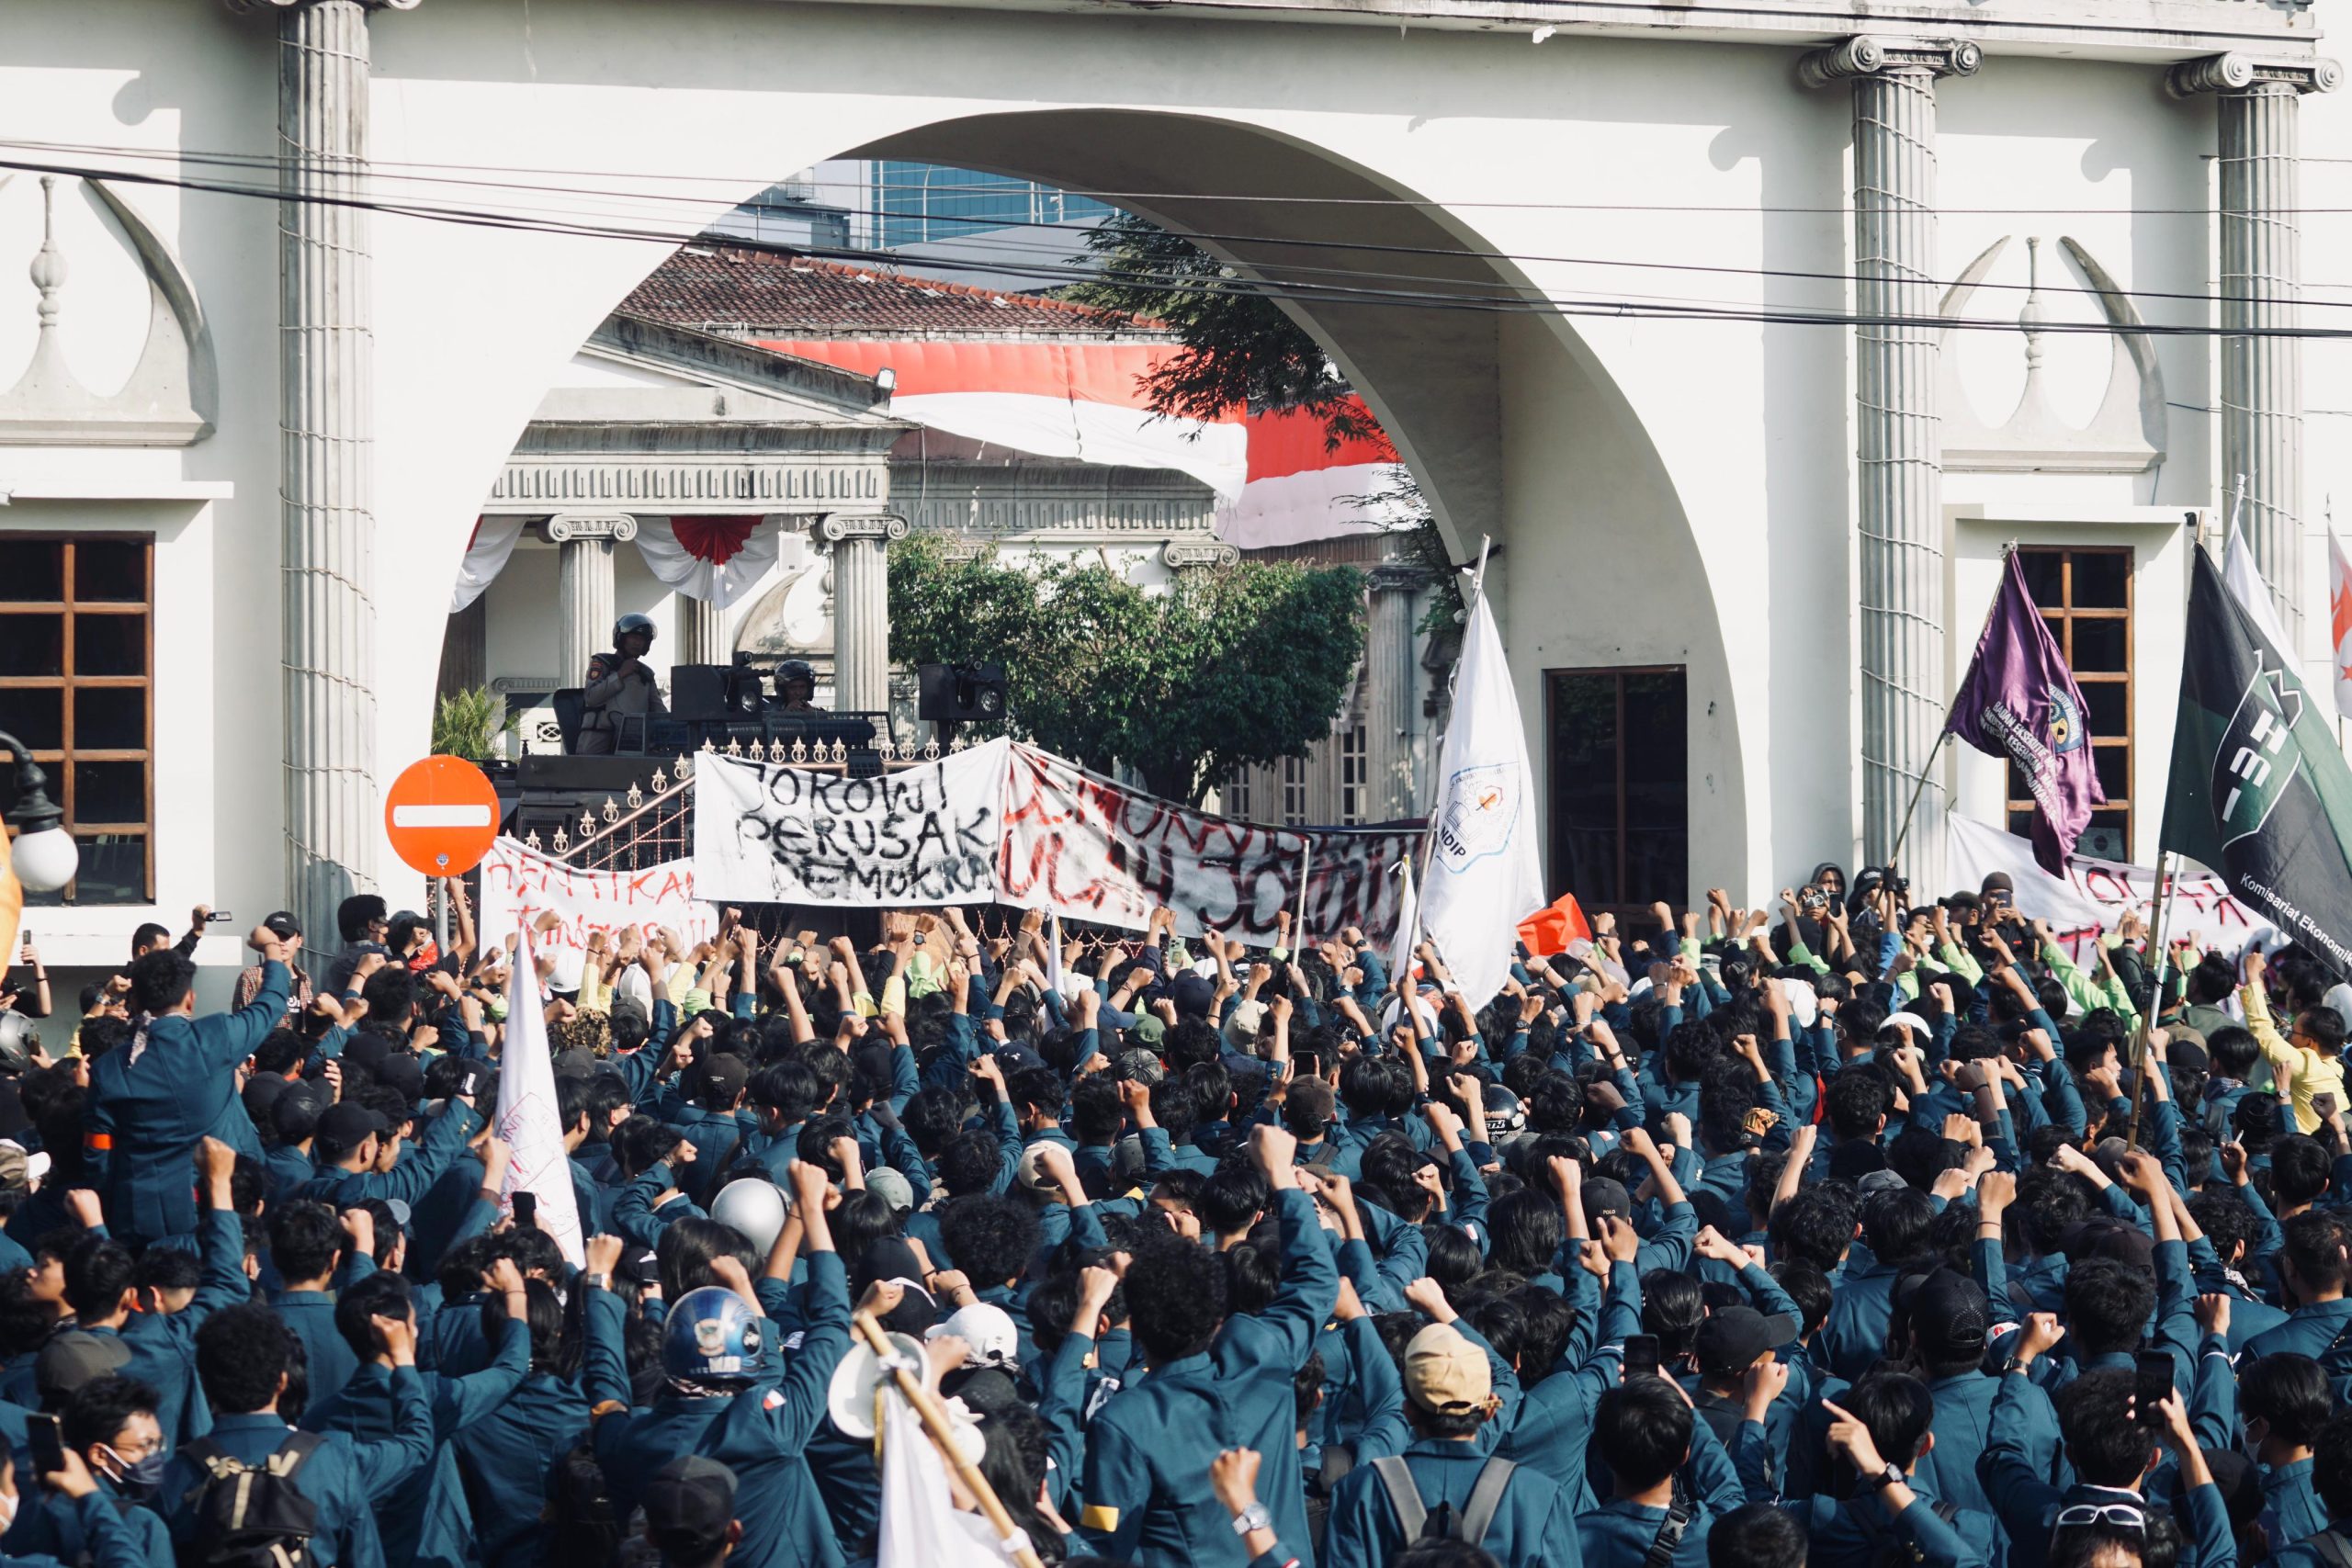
{"points": [[1298, 921], [934, 1421], [2161, 938]]}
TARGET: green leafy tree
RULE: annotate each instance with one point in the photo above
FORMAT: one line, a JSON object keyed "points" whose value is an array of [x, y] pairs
{"points": [[1228, 667], [1240, 350]]}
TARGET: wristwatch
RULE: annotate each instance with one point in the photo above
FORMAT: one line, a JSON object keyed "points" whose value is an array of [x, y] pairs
{"points": [[1253, 1517], [1890, 1476]]}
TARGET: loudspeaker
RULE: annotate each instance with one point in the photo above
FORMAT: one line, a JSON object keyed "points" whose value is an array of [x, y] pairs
{"points": [[959, 693]]}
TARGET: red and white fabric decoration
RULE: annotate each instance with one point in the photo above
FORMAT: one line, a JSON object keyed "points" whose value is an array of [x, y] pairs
{"points": [[1275, 481], [716, 559], [486, 552]]}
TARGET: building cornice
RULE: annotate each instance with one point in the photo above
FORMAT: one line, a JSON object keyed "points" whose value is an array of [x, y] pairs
{"points": [[2149, 31]]}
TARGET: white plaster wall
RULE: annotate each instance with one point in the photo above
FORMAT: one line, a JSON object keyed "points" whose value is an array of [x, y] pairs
{"points": [[1671, 490]]}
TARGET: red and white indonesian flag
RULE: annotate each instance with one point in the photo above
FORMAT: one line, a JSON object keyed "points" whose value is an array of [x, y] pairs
{"points": [[2339, 620], [1483, 876], [527, 1120], [716, 559], [487, 549], [1276, 482]]}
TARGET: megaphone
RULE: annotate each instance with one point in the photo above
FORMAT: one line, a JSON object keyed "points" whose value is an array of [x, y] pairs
{"points": [[850, 1397]]}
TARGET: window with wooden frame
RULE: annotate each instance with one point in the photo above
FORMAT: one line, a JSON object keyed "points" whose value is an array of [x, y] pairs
{"points": [[1354, 773], [1294, 790], [2084, 594], [1236, 801], [77, 659]]}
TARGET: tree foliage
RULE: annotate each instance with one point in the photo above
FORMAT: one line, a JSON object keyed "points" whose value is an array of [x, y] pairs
{"points": [[1240, 350], [1228, 667]]}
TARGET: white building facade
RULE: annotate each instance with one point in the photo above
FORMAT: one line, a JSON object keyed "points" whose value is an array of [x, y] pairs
{"points": [[1595, 271]]}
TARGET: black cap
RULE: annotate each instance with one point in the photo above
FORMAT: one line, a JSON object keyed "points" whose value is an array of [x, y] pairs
{"points": [[344, 1125], [689, 1503], [402, 1073], [1948, 1313], [282, 925], [1607, 1195], [1730, 1339]]}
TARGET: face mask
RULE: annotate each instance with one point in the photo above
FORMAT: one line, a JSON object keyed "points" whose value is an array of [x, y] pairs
{"points": [[140, 1480], [496, 1012]]}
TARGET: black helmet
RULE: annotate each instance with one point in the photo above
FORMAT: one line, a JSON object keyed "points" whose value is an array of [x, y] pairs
{"points": [[795, 669], [629, 624]]}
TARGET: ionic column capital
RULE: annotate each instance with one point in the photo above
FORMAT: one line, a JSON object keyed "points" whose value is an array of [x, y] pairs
{"points": [[1178, 554], [1397, 577], [2249, 73], [565, 527], [1868, 54], [880, 525]]}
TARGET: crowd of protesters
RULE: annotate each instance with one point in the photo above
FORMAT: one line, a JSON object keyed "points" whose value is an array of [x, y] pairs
{"points": [[1845, 1231]]}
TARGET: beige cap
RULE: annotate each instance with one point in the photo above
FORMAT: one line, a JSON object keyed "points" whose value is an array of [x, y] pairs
{"points": [[1443, 1371]]}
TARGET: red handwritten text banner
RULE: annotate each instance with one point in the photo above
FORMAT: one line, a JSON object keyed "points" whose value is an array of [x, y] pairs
{"points": [[1093, 850], [518, 886], [2093, 893]]}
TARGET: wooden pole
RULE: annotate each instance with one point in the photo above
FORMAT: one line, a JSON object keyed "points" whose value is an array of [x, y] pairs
{"points": [[934, 1421], [1306, 869], [1927, 769], [2163, 953]]}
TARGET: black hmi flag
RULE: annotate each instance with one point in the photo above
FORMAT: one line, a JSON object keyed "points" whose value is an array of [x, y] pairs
{"points": [[2259, 791]]}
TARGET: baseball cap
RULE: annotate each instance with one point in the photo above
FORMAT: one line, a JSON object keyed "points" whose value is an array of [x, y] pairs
{"points": [[1607, 1195], [1947, 1312], [1148, 1029], [1730, 1338], [1880, 1180], [886, 1183], [1193, 996], [2183, 1054], [345, 1124], [1031, 1171], [689, 1503], [403, 1075], [987, 1331], [73, 1358], [724, 1074], [1445, 1372], [1242, 1024]]}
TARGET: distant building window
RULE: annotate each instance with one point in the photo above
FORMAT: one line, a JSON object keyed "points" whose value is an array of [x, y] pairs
{"points": [[920, 203], [1237, 795], [76, 671], [2086, 596], [1294, 790], [1355, 774]]}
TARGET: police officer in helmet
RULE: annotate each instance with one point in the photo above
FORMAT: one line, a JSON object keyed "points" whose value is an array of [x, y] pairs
{"points": [[795, 688], [618, 686]]}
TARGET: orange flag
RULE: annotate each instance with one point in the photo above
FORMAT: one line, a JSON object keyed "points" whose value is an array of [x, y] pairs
{"points": [[1551, 928]]}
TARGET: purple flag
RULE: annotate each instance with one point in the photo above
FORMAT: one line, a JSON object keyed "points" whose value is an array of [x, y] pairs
{"points": [[2019, 701]]}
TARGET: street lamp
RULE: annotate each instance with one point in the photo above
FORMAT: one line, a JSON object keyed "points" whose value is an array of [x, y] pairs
{"points": [[44, 855]]}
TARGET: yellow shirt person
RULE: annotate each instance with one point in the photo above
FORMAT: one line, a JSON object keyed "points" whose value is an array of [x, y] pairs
{"points": [[2294, 1058]]}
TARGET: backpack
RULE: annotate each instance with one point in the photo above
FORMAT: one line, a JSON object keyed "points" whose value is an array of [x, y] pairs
{"points": [[1414, 1516], [1894, 1554], [1669, 1540], [251, 1516], [2332, 1546]]}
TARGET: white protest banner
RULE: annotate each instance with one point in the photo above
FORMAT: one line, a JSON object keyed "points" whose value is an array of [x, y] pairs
{"points": [[1093, 850], [528, 1123], [2095, 893], [518, 885], [769, 834]]}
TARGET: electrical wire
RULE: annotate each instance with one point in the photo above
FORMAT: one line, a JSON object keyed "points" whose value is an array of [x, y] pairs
{"points": [[1622, 307]]}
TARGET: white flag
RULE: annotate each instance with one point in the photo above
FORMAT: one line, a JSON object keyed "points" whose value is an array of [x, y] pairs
{"points": [[1483, 877], [920, 1526], [2339, 620], [2246, 586], [527, 1122]]}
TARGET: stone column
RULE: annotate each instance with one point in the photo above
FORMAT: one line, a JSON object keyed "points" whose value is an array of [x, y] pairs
{"points": [[325, 462], [702, 632], [464, 649], [2261, 284], [862, 608], [1898, 454], [1392, 698], [583, 594]]}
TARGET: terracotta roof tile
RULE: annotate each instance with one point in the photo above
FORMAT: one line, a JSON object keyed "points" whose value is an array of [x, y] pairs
{"points": [[736, 290]]}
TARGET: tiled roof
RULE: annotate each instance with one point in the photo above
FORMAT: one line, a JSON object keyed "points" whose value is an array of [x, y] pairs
{"points": [[736, 290]]}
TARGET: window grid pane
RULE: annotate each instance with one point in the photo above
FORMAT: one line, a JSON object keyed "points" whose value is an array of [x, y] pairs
{"points": [[2085, 596], [76, 661]]}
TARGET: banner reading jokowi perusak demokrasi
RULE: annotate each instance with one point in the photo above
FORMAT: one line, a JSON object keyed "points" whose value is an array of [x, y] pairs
{"points": [[1483, 878], [2259, 792], [2019, 701]]}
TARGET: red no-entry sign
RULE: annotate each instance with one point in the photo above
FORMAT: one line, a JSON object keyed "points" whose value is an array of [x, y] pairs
{"points": [[441, 815]]}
